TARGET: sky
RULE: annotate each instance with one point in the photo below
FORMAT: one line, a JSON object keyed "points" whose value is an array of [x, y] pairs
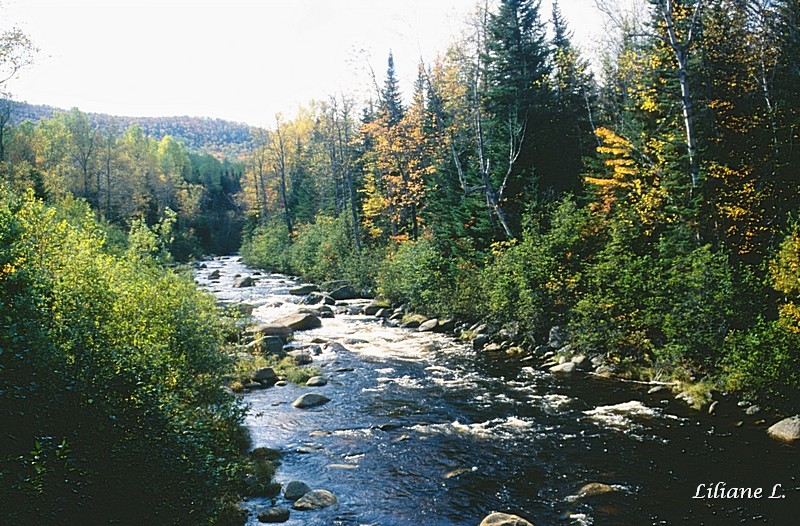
{"points": [[239, 60]]}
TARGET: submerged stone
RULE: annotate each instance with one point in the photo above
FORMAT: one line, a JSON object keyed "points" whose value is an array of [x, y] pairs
{"points": [[295, 490]]}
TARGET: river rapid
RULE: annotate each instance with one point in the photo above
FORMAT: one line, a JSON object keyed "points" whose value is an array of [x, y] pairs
{"points": [[422, 430]]}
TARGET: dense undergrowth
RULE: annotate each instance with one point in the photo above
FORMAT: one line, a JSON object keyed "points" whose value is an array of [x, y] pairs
{"points": [[112, 407]]}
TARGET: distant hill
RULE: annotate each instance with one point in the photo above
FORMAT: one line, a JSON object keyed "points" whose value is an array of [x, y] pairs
{"points": [[215, 136]]}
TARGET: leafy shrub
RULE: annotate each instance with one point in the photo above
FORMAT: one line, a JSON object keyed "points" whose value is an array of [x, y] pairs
{"points": [[762, 364], [320, 251], [667, 303], [267, 247], [535, 281], [110, 378], [417, 273]]}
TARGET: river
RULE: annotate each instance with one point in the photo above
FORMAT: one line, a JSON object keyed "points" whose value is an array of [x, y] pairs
{"points": [[421, 430]]}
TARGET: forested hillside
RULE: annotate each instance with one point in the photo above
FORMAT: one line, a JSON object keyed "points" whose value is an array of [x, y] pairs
{"points": [[649, 207], [215, 136], [127, 176]]}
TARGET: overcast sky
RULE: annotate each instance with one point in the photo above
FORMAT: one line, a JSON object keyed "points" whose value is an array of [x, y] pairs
{"points": [[242, 60]]}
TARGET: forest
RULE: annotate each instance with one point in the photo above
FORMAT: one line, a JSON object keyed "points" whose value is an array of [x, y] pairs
{"points": [[647, 203], [650, 206]]}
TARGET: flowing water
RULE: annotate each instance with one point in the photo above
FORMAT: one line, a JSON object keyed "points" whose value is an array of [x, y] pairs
{"points": [[423, 431]]}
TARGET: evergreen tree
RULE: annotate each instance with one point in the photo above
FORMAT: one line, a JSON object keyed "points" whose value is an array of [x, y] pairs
{"points": [[391, 100], [516, 101], [572, 127]]}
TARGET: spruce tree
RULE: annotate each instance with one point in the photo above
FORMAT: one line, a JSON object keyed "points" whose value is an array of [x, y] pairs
{"points": [[515, 100], [573, 88], [391, 100]]}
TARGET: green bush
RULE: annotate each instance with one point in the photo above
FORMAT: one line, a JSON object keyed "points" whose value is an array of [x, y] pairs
{"points": [[110, 382], [320, 251], [664, 304], [762, 364], [267, 247], [536, 281], [416, 273]]}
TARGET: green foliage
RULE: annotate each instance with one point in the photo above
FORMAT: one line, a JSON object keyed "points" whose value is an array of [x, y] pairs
{"points": [[535, 281], [416, 273], [762, 363], [267, 247], [152, 243], [110, 378], [297, 374], [320, 251], [666, 304]]}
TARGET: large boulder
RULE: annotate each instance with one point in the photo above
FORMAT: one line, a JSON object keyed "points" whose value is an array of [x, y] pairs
{"points": [[310, 400], [429, 325], [300, 321], [265, 375], [301, 357], [302, 290], [787, 429], [412, 321], [566, 367], [480, 341], [504, 519], [315, 298], [241, 283], [446, 325], [373, 308], [344, 293], [295, 489], [214, 274], [267, 345], [272, 329], [273, 515], [316, 500]]}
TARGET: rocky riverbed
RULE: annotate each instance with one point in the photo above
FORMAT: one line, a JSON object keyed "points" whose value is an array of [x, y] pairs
{"points": [[410, 426]]}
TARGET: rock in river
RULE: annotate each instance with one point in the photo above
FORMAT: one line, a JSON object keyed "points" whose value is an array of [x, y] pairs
{"points": [[310, 400], [279, 514], [593, 489], [316, 500], [317, 381], [241, 283], [344, 293], [302, 290], [265, 375], [295, 489], [566, 367], [787, 429], [300, 321], [504, 519], [271, 329]]}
